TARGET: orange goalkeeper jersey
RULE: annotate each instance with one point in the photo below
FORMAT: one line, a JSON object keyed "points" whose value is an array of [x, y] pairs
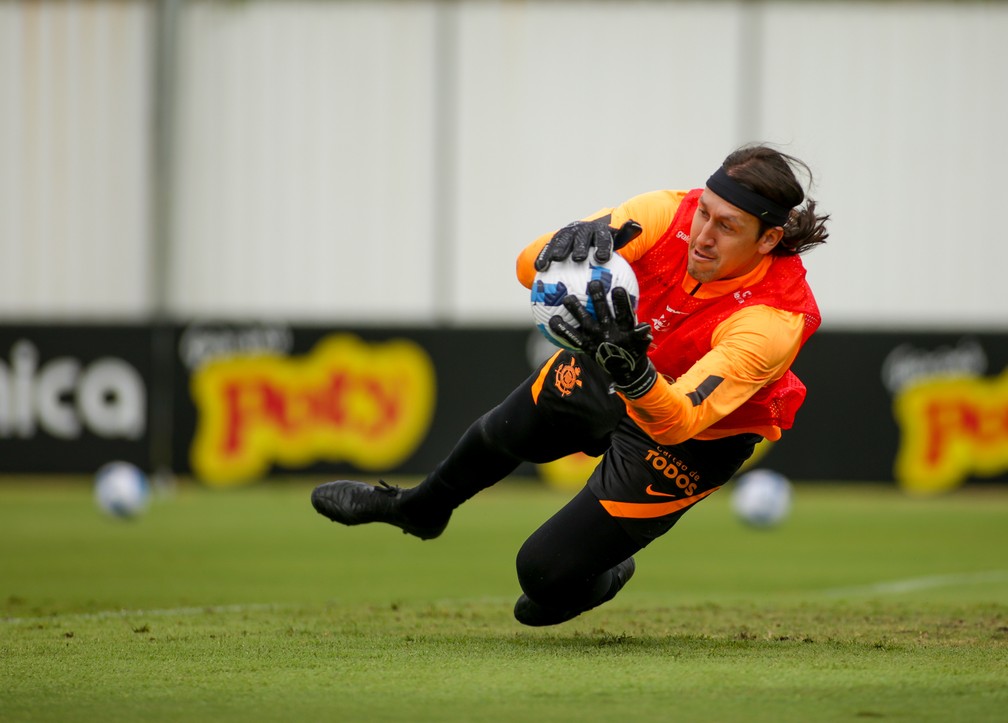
{"points": [[724, 349]]}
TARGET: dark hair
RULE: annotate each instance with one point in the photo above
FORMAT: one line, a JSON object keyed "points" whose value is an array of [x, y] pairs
{"points": [[771, 174]]}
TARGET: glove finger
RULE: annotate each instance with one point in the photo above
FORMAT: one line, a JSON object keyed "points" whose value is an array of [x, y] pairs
{"points": [[581, 315], [603, 244], [642, 337], [556, 249], [600, 305], [583, 236], [567, 332], [626, 233], [623, 307]]}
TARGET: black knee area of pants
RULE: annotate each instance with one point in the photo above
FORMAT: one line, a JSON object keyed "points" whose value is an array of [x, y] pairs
{"points": [[566, 562]]}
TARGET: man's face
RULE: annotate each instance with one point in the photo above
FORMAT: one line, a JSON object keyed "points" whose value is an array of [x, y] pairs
{"points": [[725, 241]]}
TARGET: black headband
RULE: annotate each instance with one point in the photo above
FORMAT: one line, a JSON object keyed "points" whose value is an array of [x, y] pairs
{"points": [[748, 200]]}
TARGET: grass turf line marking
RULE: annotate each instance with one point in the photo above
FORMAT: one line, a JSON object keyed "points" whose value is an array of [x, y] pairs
{"points": [[897, 587]]}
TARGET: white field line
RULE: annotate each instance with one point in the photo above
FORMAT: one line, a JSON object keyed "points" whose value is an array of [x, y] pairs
{"points": [[913, 584]]}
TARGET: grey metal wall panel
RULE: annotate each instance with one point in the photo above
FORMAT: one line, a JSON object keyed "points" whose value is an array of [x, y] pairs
{"points": [[74, 144]]}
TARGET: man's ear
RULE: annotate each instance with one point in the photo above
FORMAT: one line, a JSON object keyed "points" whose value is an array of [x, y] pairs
{"points": [[770, 238]]}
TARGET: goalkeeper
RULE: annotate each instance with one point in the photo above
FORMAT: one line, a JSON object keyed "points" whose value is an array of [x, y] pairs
{"points": [[674, 403]]}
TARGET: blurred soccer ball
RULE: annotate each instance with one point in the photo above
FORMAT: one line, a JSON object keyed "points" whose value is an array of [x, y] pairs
{"points": [[567, 277], [121, 489], [761, 497]]}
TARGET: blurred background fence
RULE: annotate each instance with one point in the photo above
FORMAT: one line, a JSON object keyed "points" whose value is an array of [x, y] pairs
{"points": [[193, 182]]}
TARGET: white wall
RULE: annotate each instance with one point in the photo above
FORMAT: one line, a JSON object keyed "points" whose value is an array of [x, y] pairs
{"points": [[305, 166], [361, 162], [75, 135], [554, 122], [902, 108]]}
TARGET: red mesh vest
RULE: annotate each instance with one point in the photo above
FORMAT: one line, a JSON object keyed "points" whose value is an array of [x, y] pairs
{"points": [[683, 324]]}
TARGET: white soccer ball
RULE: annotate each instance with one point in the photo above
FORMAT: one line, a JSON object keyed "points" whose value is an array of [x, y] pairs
{"points": [[761, 497], [121, 489], [567, 277]]}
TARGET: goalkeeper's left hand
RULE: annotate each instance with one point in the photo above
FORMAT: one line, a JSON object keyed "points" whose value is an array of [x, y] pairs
{"points": [[576, 239], [617, 342]]}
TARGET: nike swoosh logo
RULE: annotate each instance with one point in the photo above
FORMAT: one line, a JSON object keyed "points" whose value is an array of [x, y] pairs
{"points": [[655, 493], [652, 510]]}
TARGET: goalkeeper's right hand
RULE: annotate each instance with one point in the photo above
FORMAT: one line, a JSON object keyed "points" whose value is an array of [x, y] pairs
{"points": [[575, 240], [617, 341]]}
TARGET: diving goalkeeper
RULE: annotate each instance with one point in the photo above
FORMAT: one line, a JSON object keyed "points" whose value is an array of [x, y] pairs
{"points": [[674, 398]]}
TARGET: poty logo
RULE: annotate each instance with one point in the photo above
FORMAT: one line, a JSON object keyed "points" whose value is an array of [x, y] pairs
{"points": [[951, 428], [367, 404]]}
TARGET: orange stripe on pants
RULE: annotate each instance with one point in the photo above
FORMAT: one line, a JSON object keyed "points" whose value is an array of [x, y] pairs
{"points": [[645, 510], [541, 379]]}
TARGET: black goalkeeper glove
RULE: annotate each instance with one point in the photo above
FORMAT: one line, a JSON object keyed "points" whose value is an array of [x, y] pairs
{"points": [[575, 240], [618, 343]]}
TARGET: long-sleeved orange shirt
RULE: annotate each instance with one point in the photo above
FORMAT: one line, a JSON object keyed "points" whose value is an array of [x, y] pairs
{"points": [[750, 348]]}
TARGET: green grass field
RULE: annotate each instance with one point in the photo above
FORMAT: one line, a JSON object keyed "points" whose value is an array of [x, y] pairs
{"points": [[246, 605]]}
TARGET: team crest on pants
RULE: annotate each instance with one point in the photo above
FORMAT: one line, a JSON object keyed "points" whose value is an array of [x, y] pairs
{"points": [[567, 377]]}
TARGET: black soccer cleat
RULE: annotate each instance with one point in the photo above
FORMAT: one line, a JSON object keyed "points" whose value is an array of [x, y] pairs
{"points": [[535, 615], [356, 503]]}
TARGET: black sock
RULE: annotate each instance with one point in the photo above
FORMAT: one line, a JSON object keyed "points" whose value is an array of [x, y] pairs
{"points": [[473, 465]]}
